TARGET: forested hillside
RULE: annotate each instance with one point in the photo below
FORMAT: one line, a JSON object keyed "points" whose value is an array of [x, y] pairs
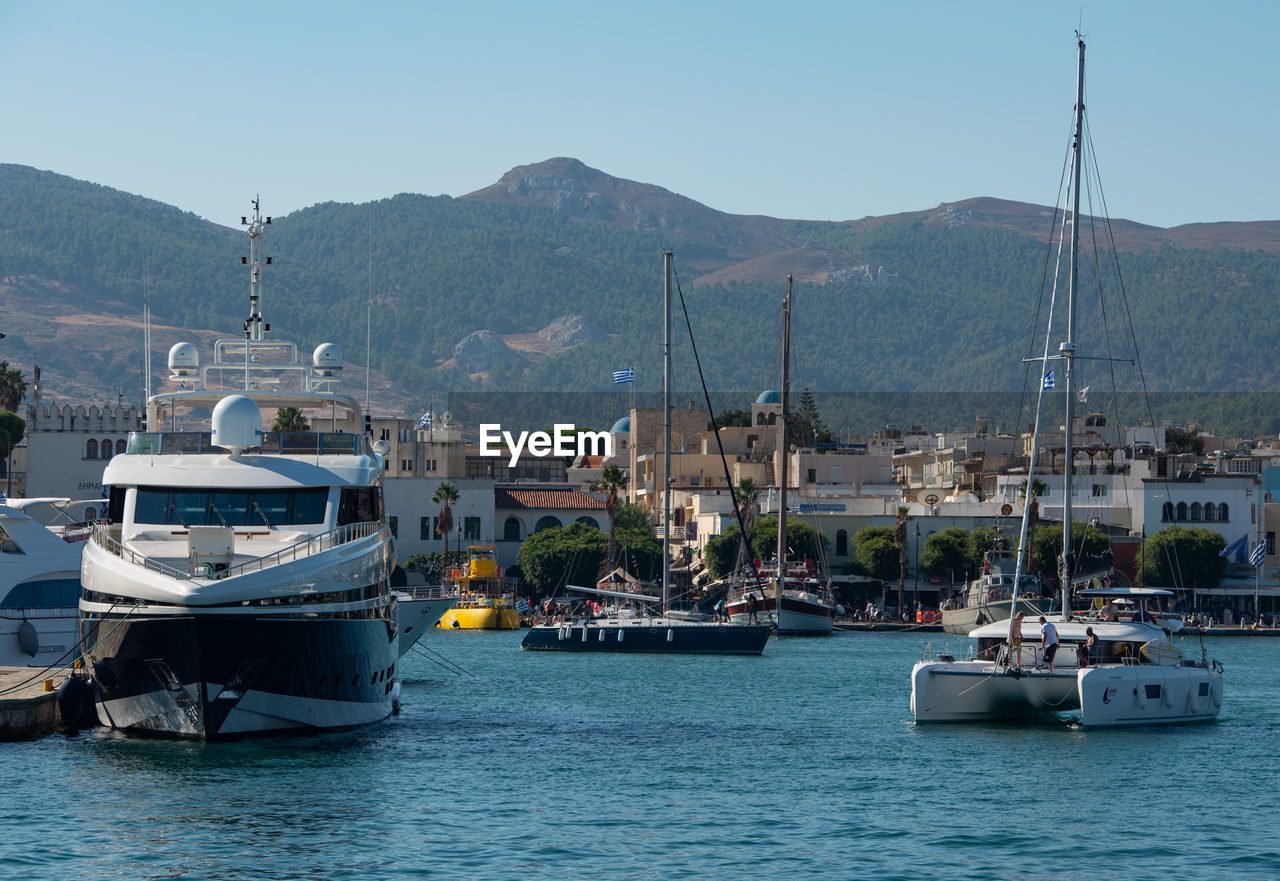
{"points": [[908, 306]]}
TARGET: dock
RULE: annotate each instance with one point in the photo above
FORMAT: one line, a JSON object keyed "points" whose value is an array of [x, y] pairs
{"points": [[28, 703]]}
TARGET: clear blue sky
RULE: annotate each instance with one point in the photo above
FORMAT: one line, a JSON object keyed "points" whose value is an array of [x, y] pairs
{"points": [[815, 110]]}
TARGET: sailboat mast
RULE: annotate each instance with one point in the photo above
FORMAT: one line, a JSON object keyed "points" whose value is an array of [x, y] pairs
{"points": [[667, 258], [1068, 348], [782, 451], [253, 325]]}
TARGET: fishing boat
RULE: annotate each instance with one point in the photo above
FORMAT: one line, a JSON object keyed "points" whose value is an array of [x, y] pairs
{"points": [[643, 623], [789, 597], [989, 597], [480, 600], [242, 585], [1133, 675], [40, 544]]}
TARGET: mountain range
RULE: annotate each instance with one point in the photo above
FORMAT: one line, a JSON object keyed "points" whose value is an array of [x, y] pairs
{"points": [[550, 279]]}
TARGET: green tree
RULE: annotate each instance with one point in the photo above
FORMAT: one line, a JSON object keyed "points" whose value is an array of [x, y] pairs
{"points": [[1183, 558], [874, 553], [289, 419], [1181, 440], [13, 427], [1046, 546], [446, 495], [946, 551], [804, 542], [13, 388], [732, 419], [612, 481], [552, 558], [807, 428]]}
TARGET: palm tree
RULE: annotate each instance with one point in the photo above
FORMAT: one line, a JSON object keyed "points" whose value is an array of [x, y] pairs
{"points": [[446, 495], [289, 419], [13, 388], [612, 480], [900, 539]]}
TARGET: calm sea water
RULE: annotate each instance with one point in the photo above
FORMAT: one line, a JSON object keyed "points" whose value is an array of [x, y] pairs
{"points": [[803, 763]]}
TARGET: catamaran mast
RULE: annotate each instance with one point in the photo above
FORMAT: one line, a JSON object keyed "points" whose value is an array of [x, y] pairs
{"points": [[782, 454], [667, 257], [1067, 350]]}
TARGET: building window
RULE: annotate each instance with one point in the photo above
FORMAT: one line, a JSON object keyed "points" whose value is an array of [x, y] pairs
{"points": [[471, 528], [393, 523], [511, 530], [1271, 544], [1182, 511], [1196, 511], [385, 434], [810, 475], [547, 522], [121, 446], [406, 465], [842, 543], [1222, 513], [1166, 512], [429, 465], [1099, 490], [106, 450], [425, 531], [1210, 512], [589, 521], [91, 449]]}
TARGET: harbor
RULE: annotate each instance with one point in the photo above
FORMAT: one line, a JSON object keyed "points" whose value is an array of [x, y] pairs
{"points": [[547, 766]]}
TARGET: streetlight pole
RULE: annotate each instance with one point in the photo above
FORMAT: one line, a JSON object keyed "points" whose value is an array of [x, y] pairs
{"points": [[915, 590]]}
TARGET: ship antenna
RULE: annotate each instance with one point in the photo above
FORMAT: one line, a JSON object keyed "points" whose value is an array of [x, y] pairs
{"points": [[253, 326]]}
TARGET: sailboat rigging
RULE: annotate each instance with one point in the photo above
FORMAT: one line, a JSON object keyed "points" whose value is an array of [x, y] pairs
{"points": [[1129, 673]]}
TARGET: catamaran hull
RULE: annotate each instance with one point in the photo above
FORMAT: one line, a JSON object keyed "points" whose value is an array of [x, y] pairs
{"points": [[1115, 696], [978, 691], [668, 637], [211, 677]]}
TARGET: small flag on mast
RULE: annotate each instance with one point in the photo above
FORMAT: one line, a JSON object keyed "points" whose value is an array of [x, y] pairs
{"points": [[1083, 394], [621, 376], [1235, 549], [1048, 380], [425, 421]]}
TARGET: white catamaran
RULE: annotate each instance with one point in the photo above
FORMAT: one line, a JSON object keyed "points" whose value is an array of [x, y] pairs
{"points": [[1131, 674]]}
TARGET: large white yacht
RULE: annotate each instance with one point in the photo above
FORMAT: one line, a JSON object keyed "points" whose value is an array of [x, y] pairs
{"points": [[242, 585]]}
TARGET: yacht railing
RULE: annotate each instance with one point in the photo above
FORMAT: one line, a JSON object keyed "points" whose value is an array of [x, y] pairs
{"points": [[284, 443], [313, 545]]}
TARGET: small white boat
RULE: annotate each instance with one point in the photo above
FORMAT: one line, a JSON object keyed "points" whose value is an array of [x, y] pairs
{"points": [[40, 545]]}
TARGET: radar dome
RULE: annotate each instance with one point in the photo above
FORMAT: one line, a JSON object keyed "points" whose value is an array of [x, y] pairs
{"points": [[184, 360], [327, 359], [237, 424]]}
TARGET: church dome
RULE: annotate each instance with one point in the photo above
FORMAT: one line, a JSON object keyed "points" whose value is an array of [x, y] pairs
{"points": [[622, 426], [769, 396]]}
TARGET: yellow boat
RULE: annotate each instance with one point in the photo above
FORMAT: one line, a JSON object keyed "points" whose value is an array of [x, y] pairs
{"points": [[481, 605]]}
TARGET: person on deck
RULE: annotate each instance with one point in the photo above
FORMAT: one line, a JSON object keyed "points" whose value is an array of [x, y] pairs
{"points": [[1015, 640], [751, 609], [1048, 641]]}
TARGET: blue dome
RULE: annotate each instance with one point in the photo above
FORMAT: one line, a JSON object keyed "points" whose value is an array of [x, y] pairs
{"points": [[622, 426], [769, 396]]}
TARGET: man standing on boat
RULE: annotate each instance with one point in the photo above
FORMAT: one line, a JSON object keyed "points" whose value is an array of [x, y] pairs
{"points": [[1048, 641]]}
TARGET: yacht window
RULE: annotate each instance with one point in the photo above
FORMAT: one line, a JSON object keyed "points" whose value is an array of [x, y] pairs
{"points": [[359, 504], [54, 593], [1153, 692], [229, 507]]}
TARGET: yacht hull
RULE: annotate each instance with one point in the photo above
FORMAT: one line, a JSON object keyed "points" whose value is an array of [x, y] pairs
{"points": [[211, 677], [977, 691], [1115, 696], [648, 637], [416, 615], [799, 617]]}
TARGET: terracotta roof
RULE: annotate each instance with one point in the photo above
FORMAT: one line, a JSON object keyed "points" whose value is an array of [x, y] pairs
{"points": [[565, 499]]}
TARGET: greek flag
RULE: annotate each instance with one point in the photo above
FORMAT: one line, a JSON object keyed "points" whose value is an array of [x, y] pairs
{"points": [[1048, 380], [1235, 549], [621, 376], [1258, 553], [1083, 395], [425, 421]]}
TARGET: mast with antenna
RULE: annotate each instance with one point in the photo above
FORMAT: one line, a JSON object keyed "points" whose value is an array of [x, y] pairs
{"points": [[253, 325], [1067, 349]]}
